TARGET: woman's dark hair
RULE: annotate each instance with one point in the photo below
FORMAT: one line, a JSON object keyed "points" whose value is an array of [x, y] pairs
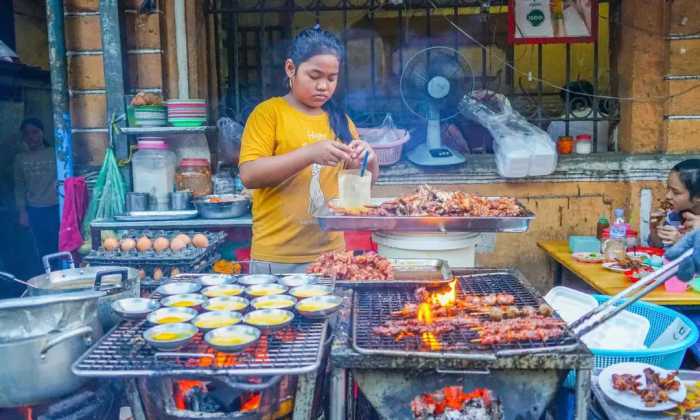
{"points": [[35, 122], [689, 173], [316, 41]]}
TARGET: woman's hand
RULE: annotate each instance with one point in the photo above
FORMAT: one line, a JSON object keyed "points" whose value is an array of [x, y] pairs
{"points": [[691, 221], [668, 234], [691, 266], [329, 153], [359, 148]]}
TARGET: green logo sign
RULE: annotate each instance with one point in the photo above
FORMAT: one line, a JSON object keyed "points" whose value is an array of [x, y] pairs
{"points": [[536, 17]]}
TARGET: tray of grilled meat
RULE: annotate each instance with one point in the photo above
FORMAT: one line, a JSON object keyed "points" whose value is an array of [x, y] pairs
{"points": [[482, 313], [368, 269], [156, 248], [429, 210]]}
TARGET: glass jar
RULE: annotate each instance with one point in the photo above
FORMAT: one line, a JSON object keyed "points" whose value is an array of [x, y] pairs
{"points": [[584, 144], [153, 171], [194, 175], [565, 145]]}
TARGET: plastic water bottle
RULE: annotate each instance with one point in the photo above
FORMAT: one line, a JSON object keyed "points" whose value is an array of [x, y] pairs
{"points": [[615, 246]]}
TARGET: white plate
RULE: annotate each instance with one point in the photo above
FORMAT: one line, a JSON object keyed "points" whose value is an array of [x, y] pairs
{"points": [[588, 257], [639, 255], [630, 399], [613, 266]]}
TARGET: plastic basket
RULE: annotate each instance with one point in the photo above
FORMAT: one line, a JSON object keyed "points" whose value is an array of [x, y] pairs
{"points": [[660, 318], [387, 153]]}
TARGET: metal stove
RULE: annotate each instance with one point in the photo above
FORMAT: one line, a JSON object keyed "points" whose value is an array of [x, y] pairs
{"points": [[525, 376]]}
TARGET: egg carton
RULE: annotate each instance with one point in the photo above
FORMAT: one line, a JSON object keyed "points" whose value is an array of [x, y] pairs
{"points": [[187, 258]]}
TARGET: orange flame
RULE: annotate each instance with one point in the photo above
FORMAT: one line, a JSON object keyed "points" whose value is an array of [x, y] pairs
{"points": [[181, 389], [252, 403], [447, 298], [425, 314], [431, 341]]}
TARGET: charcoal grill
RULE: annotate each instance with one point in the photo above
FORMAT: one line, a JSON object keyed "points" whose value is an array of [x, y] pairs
{"points": [[525, 376], [371, 309]]}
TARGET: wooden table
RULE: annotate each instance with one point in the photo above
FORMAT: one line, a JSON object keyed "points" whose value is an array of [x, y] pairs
{"points": [[610, 283]]}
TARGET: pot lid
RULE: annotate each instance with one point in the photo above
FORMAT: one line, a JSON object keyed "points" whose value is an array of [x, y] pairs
{"points": [[80, 278], [29, 302]]}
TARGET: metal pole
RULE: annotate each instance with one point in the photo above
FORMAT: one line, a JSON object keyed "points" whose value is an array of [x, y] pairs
{"points": [[183, 82], [59, 95], [112, 60]]}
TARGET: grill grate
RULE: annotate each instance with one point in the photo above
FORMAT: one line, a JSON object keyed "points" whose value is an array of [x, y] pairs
{"points": [[295, 349], [372, 308]]}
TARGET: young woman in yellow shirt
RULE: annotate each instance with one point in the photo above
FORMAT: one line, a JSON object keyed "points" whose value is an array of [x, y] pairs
{"points": [[293, 148]]}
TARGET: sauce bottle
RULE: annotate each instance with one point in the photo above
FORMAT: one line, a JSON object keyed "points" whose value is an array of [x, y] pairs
{"points": [[603, 223]]}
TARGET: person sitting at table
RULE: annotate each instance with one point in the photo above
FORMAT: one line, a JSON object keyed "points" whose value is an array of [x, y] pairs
{"points": [[689, 268], [683, 196]]}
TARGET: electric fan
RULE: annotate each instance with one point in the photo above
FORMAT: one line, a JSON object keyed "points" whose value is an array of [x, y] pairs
{"points": [[433, 83]]}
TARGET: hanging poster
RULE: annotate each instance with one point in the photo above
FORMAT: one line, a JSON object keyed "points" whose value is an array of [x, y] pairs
{"points": [[552, 21]]}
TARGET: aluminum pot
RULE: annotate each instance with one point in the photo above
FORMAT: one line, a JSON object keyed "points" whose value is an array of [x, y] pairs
{"points": [[38, 368], [116, 282], [230, 206]]}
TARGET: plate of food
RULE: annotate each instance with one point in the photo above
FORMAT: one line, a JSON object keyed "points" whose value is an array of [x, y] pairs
{"points": [[620, 265], [588, 257], [641, 386]]}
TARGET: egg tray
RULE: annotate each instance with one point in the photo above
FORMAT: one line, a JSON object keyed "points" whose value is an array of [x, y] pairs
{"points": [[187, 258]]}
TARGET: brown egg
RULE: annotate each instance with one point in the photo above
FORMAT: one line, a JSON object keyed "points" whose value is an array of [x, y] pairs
{"points": [[161, 244], [184, 238], [174, 272], [141, 274], [157, 274], [144, 244], [110, 244], [177, 245], [127, 244], [200, 241]]}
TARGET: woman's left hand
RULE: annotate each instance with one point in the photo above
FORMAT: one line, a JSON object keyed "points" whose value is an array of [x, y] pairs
{"points": [[691, 221], [359, 148]]}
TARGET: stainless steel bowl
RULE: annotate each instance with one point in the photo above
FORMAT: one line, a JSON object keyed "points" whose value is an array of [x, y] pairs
{"points": [[216, 279], [183, 332], [226, 303], [182, 314], [230, 206], [219, 319], [134, 308], [257, 319], [187, 300], [330, 305], [311, 290], [296, 280], [258, 290], [252, 279], [178, 288], [244, 335], [273, 302], [223, 290]]}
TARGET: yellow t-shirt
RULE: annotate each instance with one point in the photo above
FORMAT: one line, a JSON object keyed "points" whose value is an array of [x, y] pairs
{"points": [[283, 229]]}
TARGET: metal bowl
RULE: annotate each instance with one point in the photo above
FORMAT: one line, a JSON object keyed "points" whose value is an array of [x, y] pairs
{"points": [[273, 302], [311, 290], [177, 336], [296, 280], [223, 290], [230, 206], [216, 279], [319, 307], [258, 290], [252, 279], [178, 288], [134, 308], [239, 336], [187, 300], [164, 316], [269, 319], [208, 321], [226, 303]]}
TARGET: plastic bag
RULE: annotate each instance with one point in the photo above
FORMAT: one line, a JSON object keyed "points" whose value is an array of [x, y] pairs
{"points": [[109, 194], [385, 133], [229, 146], [521, 149]]}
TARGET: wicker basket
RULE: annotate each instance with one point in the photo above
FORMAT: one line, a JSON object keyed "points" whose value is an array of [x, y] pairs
{"points": [[387, 153]]}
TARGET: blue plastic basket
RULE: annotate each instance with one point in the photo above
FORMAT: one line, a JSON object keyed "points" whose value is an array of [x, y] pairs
{"points": [[660, 318]]}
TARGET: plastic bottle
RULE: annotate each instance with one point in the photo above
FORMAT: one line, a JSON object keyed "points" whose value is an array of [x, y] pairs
{"points": [[603, 223], [615, 247], [153, 170]]}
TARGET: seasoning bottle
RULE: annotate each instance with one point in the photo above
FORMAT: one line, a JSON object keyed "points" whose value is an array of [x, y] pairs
{"points": [[603, 223], [584, 144], [565, 145]]}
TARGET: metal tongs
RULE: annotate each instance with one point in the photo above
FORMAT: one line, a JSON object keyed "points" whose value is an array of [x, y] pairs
{"points": [[628, 296]]}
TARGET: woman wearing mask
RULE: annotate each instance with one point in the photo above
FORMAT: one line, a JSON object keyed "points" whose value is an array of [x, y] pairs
{"points": [[293, 149], [35, 187], [683, 196]]}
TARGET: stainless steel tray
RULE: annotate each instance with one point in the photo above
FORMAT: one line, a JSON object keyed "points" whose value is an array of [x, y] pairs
{"points": [[329, 221], [618, 412], [424, 272], [137, 216]]}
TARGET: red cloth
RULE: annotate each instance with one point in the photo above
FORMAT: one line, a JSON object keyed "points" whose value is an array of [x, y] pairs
{"points": [[359, 241], [75, 204]]}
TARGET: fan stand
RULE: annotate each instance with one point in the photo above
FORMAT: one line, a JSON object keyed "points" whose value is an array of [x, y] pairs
{"points": [[432, 152]]}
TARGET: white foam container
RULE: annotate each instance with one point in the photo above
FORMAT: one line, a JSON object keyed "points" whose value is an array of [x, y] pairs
{"points": [[457, 248]]}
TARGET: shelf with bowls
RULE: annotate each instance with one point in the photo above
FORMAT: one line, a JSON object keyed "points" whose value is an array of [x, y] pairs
{"points": [[165, 131]]}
